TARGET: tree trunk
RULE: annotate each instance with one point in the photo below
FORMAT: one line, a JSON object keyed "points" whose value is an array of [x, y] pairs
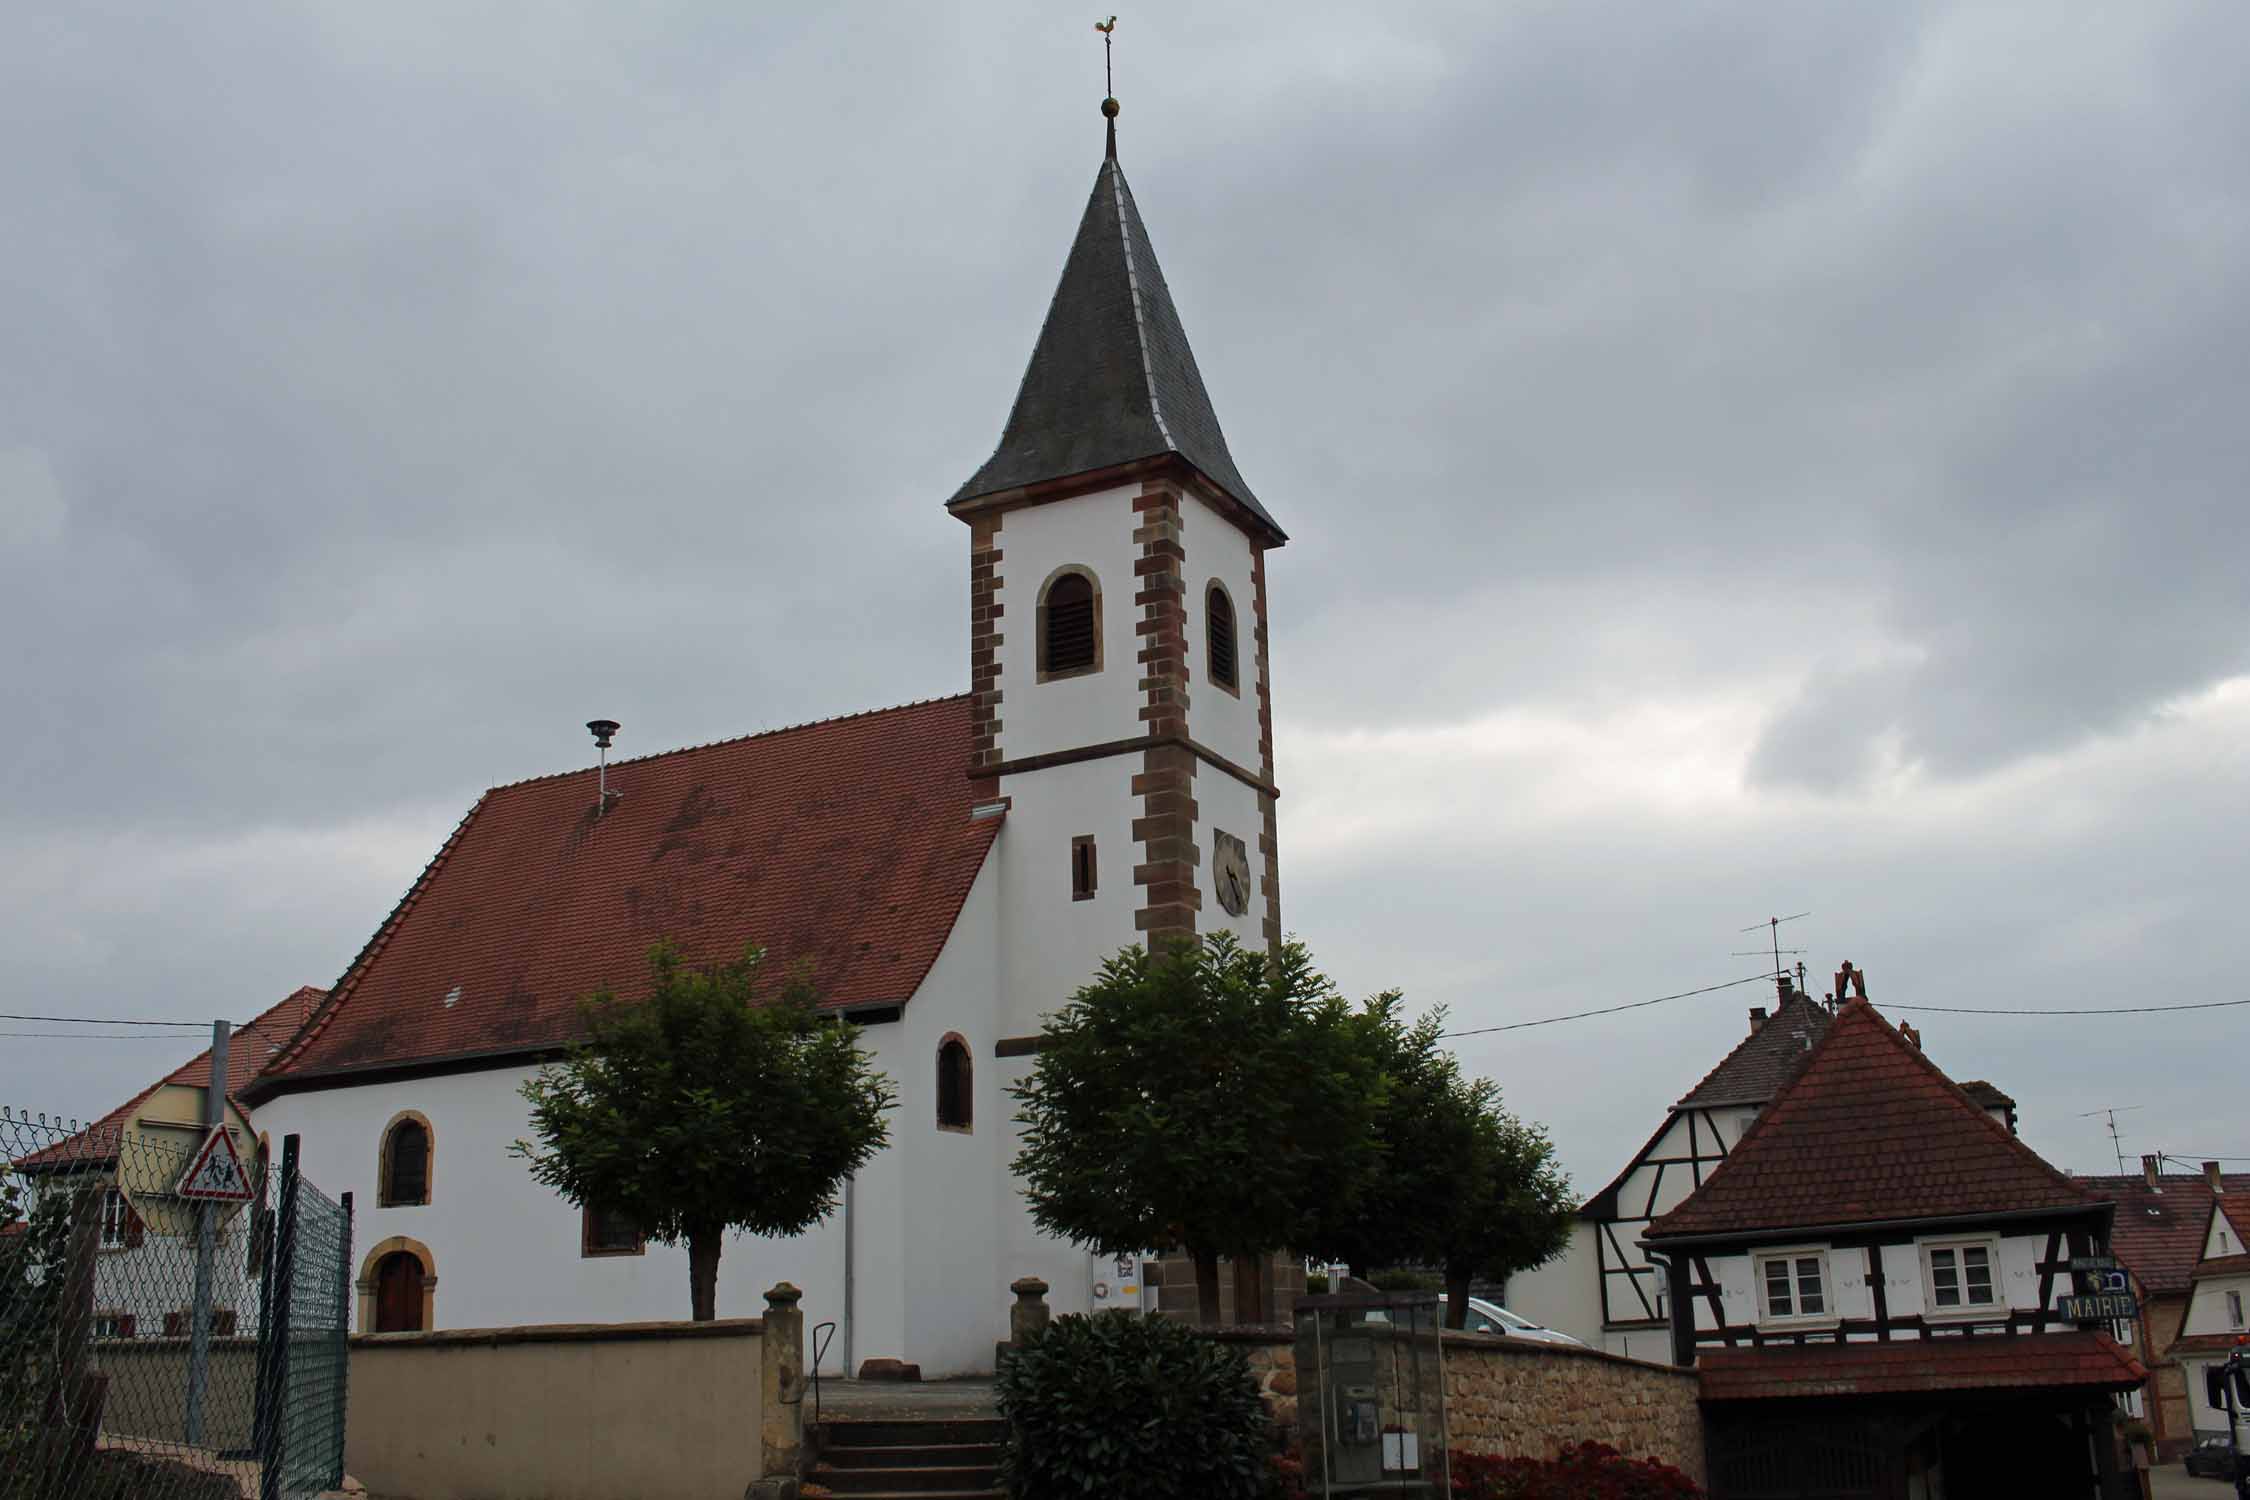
{"points": [[1250, 1289], [703, 1273], [1456, 1297], [1206, 1287]]}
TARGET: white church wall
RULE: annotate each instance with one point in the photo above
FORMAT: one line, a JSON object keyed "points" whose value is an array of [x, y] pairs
{"points": [[506, 1248], [1225, 804], [1096, 532], [1049, 944], [1216, 549]]}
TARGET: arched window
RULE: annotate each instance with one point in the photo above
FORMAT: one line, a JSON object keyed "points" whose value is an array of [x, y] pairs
{"points": [[1070, 624], [954, 1078], [1225, 659], [405, 1167]]}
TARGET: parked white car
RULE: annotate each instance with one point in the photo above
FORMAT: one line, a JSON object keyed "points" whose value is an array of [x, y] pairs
{"points": [[1491, 1317]]}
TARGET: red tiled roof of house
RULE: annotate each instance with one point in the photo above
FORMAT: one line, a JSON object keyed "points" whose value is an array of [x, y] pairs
{"points": [[2158, 1233], [252, 1044], [1869, 1131], [1992, 1362], [2206, 1343], [2222, 1265], [846, 843]]}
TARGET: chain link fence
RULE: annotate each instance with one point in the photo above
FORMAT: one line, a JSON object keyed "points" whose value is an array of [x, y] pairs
{"points": [[160, 1348]]}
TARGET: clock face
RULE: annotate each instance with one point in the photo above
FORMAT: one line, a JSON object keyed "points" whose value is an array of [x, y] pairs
{"points": [[1230, 872]]}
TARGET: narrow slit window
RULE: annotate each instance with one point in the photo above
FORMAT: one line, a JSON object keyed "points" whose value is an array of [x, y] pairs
{"points": [[1069, 638], [953, 1085], [1084, 875], [1225, 660]]}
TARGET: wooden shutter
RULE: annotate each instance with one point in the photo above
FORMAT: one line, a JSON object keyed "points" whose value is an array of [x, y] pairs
{"points": [[1225, 661], [1069, 642]]}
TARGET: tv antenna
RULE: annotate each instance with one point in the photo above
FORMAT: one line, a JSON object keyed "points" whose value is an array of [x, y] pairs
{"points": [[2111, 1113], [1771, 926]]}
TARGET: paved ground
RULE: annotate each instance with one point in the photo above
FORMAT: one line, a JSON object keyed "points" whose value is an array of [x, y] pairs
{"points": [[904, 1398], [2171, 1482]]}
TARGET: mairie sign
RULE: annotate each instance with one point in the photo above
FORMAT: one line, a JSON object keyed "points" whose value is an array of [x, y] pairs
{"points": [[2099, 1307]]}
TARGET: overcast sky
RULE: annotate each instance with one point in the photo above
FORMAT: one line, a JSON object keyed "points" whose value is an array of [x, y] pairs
{"points": [[1740, 458]]}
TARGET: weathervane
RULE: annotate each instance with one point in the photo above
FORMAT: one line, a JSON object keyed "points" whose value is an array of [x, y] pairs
{"points": [[1109, 82]]}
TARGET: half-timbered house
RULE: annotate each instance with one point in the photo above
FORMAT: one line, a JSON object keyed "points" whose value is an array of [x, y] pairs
{"points": [[1871, 1285], [2218, 1317], [1604, 1290]]}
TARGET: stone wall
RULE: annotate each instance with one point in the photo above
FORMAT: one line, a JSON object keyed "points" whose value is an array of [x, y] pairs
{"points": [[1509, 1395]]}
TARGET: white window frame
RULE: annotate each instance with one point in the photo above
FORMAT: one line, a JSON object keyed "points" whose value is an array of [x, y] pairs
{"points": [[1968, 1311], [1827, 1317], [117, 1215]]}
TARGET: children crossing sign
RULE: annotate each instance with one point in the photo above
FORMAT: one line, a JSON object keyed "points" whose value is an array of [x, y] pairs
{"points": [[216, 1175]]}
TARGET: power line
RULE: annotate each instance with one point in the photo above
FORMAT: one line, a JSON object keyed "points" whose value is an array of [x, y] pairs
{"points": [[2102, 1010], [89, 1021], [100, 1036], [1611, 1010]]}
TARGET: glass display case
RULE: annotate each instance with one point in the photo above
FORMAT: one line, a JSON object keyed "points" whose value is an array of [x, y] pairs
{"points": [[1374, 1364]]}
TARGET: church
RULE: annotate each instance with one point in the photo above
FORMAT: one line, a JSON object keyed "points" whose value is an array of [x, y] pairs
{"points": [[953, 870]]}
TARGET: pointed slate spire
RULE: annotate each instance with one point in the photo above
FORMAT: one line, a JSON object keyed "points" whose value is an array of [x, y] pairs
{"points": [[1112, 379]]}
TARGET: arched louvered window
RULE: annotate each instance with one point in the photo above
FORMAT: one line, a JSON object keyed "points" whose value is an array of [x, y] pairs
{"points": [[406, 1162], [954, 1107], [1225, 659], [1070, 621]]}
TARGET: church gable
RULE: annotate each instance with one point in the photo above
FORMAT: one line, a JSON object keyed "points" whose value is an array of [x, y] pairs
{"points": [[846, 843]]}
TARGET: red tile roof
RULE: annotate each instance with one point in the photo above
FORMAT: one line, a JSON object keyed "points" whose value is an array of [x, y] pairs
{"points": [[2222, 1265], [2158, 1235], [253, 1043], [2206, 1343], [1991, 1362], [1869, 1131], [847, 843]]}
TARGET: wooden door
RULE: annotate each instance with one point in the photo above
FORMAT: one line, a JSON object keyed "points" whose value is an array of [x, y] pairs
{"points": [[398, 1294]]}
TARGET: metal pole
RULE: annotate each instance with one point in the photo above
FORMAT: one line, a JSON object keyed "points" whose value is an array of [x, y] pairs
{"points": [[343, 1335], [206, 1244], [276, 1444]]}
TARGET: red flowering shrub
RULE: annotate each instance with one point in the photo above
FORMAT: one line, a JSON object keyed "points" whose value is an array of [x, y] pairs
{"points": [[1589, 1471]]}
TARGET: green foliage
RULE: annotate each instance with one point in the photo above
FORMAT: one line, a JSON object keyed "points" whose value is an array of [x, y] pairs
{"points": [[706, 1107], [1211, 1098], [1117, 1404], [1512, 1211], [1397, 1279], [1426, 1125], [1464, 1186], [1316, 1283], [33, 1260]]}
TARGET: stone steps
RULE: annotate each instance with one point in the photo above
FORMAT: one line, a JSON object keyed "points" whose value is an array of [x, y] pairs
{"points": [[908, 1459]]}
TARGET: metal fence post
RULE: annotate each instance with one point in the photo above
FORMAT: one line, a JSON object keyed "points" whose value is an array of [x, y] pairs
{"points": [[206, 1246], [273, 1450], [343, 1335]]}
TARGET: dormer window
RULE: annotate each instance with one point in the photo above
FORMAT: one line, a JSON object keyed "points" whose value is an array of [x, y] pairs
{"points": [[1223, 658], [1070, 620]]}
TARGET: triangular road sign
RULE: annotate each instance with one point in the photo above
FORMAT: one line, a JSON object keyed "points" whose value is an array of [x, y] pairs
{"points": [[216, 1174]]}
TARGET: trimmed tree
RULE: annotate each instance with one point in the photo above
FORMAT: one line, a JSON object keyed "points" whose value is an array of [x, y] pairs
{"points": [[1512, 1210], [1211, 1099], [708, 1106]]}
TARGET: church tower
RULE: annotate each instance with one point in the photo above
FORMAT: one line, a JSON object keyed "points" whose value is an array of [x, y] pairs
{"points": [[1118, 632]]}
